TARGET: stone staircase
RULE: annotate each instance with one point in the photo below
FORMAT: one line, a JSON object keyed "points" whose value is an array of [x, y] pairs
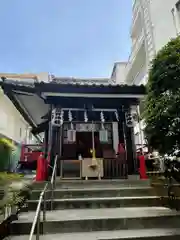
{"points": [[103, 210]]}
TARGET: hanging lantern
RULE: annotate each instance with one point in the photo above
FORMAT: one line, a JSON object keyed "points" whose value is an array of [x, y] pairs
{"points": [[85, 117], [56, 117], [103, 133], [129, 119], [70, 116], [117, 115], [53, 114], [61, 117], [102, 119], [70, 119]]}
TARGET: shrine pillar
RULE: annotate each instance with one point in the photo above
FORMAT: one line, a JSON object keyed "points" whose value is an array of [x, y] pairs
{"points": [[128, 129], [55, 137], [115, 135], [45, 143]]}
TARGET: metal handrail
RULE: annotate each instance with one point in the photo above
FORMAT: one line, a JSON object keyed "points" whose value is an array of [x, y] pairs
{"points": [[53, 181], [36, 221]]}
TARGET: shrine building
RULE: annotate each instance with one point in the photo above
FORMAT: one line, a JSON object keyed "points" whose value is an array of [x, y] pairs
{"points": [[78, 117]]}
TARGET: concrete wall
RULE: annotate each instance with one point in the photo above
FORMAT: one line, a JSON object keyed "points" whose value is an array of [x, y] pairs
{"points": [[120, 78], [27, 77], [162, 21], [43, 76], [119, 71], [12, 123]]}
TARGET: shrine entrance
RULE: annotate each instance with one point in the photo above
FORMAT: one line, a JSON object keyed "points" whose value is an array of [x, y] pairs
{"points": [[78, 147], [84, 143]]}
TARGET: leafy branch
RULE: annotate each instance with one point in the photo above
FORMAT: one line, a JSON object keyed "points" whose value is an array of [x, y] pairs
{"points": [[162, 103]]}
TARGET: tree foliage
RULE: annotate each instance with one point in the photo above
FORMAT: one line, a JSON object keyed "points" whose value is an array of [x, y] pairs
{"points": [[162, 104], [6, 149]]}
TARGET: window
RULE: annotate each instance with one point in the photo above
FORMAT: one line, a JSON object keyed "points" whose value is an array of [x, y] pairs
{"points": [[20, 132]]}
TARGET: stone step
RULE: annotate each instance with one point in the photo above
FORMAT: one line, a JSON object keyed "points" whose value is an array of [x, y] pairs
{"points": [[105, 202], [94, 183], [140, 234], [106, 219], [97, 192]]}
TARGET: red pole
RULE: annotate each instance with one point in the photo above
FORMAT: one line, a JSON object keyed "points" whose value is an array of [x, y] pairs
{"points": [[40, 171], [142, 167], [22, 158]]}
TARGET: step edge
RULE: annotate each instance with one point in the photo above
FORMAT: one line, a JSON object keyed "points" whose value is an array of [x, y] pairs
{"points": [[99, 218], [96, 189], [96, 199], [162, 232]]}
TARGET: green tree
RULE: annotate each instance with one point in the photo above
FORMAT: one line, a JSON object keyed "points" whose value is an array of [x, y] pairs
{"points": [[162, 103], [6, 148]]}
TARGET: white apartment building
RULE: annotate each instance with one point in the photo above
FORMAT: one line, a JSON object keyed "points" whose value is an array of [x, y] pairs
{"points": [[12, 124], [118, 73], [154, 23]]}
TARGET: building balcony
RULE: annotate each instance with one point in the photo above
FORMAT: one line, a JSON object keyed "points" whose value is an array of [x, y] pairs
{"points": [[136, 65], [135, 7], [137, 49], [136, 46], [136, 19], [141, 77]]}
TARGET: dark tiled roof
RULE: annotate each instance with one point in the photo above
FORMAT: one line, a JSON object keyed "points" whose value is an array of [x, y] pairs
{"points": [[74, 81], [56, 85], [17, 82], [69, 81], [90, 89]]}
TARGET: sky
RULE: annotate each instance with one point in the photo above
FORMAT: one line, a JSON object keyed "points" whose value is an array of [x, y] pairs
{"points": [[73, 38]]}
